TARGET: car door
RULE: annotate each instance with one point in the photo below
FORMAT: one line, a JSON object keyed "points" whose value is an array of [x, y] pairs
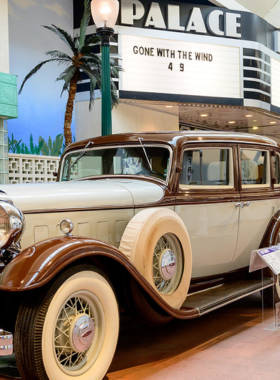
{"points": [[206, 199], [257, 199]]}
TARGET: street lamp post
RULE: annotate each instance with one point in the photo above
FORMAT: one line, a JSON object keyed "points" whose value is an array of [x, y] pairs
{"points": [[104, 14]]}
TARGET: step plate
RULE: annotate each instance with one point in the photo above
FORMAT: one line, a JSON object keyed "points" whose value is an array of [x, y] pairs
{"points": [[221, 295]]}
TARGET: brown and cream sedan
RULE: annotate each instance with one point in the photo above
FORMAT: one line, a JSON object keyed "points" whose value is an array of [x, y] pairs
{"points": [[150, 222]]}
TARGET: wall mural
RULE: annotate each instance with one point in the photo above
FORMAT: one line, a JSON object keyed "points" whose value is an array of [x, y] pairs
{"points": [[39, 127]]}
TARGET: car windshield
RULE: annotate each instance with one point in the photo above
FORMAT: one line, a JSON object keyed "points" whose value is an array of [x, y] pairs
{"points": [[146, 160]]}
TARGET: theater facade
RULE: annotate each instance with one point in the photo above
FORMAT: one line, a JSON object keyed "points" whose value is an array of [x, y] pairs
{"points": [[189, 66]]}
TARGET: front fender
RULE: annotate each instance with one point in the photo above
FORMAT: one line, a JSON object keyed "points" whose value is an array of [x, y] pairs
{"points": [[38, 264]]}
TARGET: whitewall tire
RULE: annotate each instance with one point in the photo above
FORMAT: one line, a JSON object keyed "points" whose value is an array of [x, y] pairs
{"points": [[74, 329]]}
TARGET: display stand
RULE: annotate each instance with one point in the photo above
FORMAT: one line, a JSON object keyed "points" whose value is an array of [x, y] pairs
{"points": [[261, 259]]}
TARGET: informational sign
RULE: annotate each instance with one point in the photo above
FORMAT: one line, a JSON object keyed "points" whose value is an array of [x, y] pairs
{"points": [[180, 67], [271, 257], [266, 257]]}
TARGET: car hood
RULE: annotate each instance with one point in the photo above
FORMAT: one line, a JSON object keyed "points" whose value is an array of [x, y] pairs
{"points": [[82, 194]]}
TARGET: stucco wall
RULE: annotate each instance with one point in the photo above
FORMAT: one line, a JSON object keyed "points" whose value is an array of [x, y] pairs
{"points": [[125, 118]]}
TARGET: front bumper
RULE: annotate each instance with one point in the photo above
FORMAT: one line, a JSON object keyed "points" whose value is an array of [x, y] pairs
{"points": [[6, 343]]}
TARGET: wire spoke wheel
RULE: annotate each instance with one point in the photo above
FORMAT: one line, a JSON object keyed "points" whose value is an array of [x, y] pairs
{"points": [[73, 327], [167, 264], [79, 332]]}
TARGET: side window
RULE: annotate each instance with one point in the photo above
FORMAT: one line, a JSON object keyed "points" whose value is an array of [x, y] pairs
{"points": [[276, 167], [255, 167], [207, 167]]}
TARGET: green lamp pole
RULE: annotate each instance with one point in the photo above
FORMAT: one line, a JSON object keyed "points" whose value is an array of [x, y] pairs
{"points": [[104, 14]]}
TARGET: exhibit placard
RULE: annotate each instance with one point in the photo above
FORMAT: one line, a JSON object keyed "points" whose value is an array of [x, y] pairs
{"points": [[269, 256], [156, 65]]}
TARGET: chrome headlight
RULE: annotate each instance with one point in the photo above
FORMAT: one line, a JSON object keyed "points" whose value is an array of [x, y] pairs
{"points": [[12, 224]]}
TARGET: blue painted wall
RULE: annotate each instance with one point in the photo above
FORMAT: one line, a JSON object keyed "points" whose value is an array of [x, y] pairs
{"points": [[40, 108]]}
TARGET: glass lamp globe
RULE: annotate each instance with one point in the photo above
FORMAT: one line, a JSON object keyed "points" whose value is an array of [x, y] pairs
{"points": [[105, 13]]}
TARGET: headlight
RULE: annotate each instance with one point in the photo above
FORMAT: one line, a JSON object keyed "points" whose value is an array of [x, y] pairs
{"points": [[11, 224]]}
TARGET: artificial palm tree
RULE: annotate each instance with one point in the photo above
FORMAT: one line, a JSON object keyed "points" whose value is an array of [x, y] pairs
{"points": [[82, 60]]}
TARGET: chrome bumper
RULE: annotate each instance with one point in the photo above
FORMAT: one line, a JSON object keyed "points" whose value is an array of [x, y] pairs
{"points": [[6, 343]]}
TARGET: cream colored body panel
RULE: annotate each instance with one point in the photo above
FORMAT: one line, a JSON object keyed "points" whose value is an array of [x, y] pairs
{"points": [[118, 197], [253, 221], [213, 230], [83, 194], [107, 225]]}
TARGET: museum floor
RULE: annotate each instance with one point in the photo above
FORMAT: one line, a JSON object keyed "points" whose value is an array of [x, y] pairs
{"points": [[227, 344]]}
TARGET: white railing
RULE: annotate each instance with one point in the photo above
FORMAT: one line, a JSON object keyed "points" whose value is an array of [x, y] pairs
{"points": [[28, 168]]}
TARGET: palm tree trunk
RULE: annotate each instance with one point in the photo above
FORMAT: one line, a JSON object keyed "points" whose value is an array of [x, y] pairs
{"points": [[69, 112]]}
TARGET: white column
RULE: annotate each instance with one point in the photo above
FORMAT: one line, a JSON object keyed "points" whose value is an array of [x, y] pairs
{"points": [[4, 37]]}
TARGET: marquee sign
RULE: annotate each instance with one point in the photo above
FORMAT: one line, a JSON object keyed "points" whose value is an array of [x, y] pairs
{"points": [[217, 22], [180, 67], [183, 17]]}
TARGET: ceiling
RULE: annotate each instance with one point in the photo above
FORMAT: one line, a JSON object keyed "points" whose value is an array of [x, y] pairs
{"points": [[267, 9], [217, 117]]}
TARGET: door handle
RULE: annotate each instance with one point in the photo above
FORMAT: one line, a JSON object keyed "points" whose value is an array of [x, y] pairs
{"points": [[239, 204], [247, 204], [242, 204]]}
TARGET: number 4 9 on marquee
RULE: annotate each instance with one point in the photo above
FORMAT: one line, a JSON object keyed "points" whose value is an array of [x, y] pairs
{"points": [[182, 66]]}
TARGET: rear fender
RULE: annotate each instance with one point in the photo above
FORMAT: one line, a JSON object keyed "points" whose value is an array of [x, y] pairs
{"points": [[38, 264], [272, 231]]}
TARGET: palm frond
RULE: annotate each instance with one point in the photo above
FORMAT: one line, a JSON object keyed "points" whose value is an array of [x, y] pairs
{"points": [[91, 60], [77, 43], [91, 40], [34, 71], [66, 76], [94, 77], [84, 23], [115, 71], [114, 94], [63, 35], [58, 54]]}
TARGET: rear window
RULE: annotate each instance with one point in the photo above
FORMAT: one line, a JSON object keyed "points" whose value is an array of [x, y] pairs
{"points": [[207, 167], [254, 167]]}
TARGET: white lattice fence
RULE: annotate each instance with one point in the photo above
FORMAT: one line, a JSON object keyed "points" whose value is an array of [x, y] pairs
{"points": [[28, 168]]}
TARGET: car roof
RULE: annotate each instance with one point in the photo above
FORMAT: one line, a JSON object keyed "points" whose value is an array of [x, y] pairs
{"points": [[173, 137]]}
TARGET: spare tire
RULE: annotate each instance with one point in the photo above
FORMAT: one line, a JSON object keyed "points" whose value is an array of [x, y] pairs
{"points": [[158, 244]]}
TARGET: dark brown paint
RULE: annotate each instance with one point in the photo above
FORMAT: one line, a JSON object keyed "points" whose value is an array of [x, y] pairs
{"points": [[271, 234], [38, 264]]}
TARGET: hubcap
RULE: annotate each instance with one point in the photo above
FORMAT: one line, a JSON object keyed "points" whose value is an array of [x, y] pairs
{"points": [[82, 333], [168, 264]]}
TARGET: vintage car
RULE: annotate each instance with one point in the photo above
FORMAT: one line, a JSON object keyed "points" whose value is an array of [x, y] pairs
{"points": [[159, 224]]}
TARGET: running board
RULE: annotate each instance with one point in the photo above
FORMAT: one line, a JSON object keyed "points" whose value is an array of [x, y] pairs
{"points": [[221, 295]]}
